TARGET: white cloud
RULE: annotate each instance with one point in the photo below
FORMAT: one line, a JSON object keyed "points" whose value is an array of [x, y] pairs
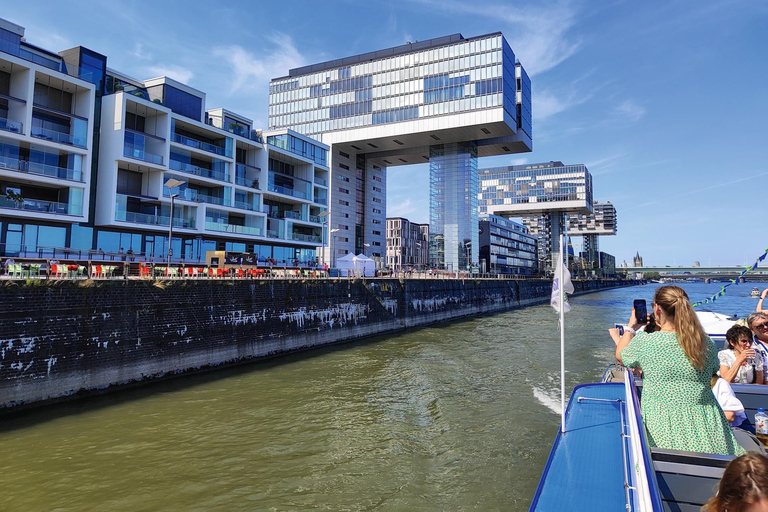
{"points": [[518, 161], [139, 53], [629, 110], [253, 73], [179, 73], [537, 34], [546, 103]]}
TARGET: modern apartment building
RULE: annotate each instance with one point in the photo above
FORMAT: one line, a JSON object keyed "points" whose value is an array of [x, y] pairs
{"points": [[542, 194], [407, 244], [94, 161], [446, 102], [46, 121], [601, 222], [506, 247]]}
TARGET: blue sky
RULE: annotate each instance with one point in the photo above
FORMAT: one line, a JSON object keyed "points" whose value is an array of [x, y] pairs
{"points": [[666, 102]]}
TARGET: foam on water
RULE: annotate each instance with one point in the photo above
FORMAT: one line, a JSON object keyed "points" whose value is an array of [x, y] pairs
{"points": [[549, 399]]}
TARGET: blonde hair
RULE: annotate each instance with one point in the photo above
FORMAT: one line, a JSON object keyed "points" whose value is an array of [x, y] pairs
{"points": [[690, 334]]}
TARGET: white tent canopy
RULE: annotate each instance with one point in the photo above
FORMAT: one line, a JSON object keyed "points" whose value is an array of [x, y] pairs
{"points": [[356, 265]]}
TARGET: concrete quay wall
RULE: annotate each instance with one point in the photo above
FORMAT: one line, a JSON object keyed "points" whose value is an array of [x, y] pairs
{"points": [[64, 338]]}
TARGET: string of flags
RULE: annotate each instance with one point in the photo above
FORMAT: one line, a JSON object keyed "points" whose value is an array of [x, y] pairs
{"points": [[732, 281]]}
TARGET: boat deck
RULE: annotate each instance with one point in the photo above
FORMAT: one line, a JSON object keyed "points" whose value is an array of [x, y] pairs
{"points": [[585, 470]]}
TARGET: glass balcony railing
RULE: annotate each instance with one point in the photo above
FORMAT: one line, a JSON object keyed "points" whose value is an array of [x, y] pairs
{"points": [[60, 137], [231, 228], [121, 214], [35, 205], [321, 200], [271, 233], [245, 206], [199, 171], [291, 215], [194, 143], [306, 238], [191, 194], [10, 126], [139, 154], [314, 218], [40, 169], [287, 191], [321, 181]]}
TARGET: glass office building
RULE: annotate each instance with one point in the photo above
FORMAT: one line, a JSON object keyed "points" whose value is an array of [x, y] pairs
{"points": [[542, 194], [445, 101]]}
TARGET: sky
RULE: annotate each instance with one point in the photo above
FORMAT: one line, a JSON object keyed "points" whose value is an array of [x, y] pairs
{"points": [[665, 102]]}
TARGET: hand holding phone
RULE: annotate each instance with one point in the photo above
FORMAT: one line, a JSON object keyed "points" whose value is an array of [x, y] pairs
{"points": [[641, 311]]}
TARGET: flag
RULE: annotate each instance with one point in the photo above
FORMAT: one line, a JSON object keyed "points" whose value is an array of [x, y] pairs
{"points": [[567, 287]]}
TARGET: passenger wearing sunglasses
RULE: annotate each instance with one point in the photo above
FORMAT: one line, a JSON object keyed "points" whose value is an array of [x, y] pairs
{"points": [[758, 324], [740, 363]]}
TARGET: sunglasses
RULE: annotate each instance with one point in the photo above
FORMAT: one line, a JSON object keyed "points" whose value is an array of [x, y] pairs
{"points": [[760, 326]]}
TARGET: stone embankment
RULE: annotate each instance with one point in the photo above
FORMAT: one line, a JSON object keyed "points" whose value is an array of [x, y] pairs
{"points": [[64, 338]]}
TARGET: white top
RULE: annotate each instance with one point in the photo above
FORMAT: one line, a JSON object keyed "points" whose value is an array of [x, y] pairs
{"points": [[761, 349], [746, 373], [728, 401]]}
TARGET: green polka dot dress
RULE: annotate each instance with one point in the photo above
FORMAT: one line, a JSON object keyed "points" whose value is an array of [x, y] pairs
{"points": [[679, 410]]}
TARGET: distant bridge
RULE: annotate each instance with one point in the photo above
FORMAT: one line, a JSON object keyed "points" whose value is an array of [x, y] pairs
{"points": [[759, 274]]}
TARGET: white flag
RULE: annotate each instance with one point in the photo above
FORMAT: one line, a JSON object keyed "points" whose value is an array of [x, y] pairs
{"points": [[567, 287]]}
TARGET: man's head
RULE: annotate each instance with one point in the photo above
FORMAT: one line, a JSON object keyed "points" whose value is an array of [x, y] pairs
{"points": [[758, 324]]}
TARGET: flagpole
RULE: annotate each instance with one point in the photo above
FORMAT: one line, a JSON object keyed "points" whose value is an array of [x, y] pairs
{"points": [[562, 337]]}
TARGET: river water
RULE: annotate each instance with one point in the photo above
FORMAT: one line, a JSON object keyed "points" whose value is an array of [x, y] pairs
{"points": [[459, 416]]}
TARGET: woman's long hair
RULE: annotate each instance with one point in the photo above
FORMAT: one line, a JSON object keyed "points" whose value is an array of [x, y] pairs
{"points": [[744, 482], [690, 334]]}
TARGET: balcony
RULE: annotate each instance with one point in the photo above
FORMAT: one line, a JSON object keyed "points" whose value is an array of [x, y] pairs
{"points": [[191, 194], [135, 147], [287, 191], [245, 206], [306, 238], [315, 218], [198, 144], [321, 181], [56, 136], [271, 233], [40, 169], [149, 219], [35, 205], [321, 200], [10, 126], [291, 215], [232, 228], [199, 171], [247, 175]]}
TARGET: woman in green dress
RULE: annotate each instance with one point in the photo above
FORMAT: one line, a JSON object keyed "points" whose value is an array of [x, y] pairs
{"points": [[679, 410]]}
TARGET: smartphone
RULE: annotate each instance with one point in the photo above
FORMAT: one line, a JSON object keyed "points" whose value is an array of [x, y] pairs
{"points": [[641, 311]]}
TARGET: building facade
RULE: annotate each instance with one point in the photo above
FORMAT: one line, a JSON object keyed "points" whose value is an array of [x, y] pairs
{"points": [[93, 162], [407, 244], [601, 222], [446, 102], [506, 247], [542, 194]]}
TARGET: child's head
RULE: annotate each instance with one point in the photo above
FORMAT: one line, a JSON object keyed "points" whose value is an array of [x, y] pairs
{"points": [[744, 486]]}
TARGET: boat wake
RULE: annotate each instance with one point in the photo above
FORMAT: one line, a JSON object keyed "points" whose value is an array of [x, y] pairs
{"points": [[550, 400]]}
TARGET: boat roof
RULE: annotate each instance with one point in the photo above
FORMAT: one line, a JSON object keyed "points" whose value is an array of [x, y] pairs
{"points": [[585, 467]]}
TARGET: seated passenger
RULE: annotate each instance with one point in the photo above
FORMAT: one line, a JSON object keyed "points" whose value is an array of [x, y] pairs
{"points": [[732, 406], [758, 324], [740, 363], [743, 487]]}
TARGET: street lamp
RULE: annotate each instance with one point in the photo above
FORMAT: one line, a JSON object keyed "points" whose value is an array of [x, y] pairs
{"points": [[365, 245], [171, 184], [324, 215], [332, 243]]}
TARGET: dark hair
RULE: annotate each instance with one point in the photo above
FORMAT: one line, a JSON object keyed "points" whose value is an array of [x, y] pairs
{"points": [[733, 334], [744, 482]]}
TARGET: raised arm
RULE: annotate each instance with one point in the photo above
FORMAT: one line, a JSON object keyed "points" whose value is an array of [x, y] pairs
{"points": [[759, 308]]}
